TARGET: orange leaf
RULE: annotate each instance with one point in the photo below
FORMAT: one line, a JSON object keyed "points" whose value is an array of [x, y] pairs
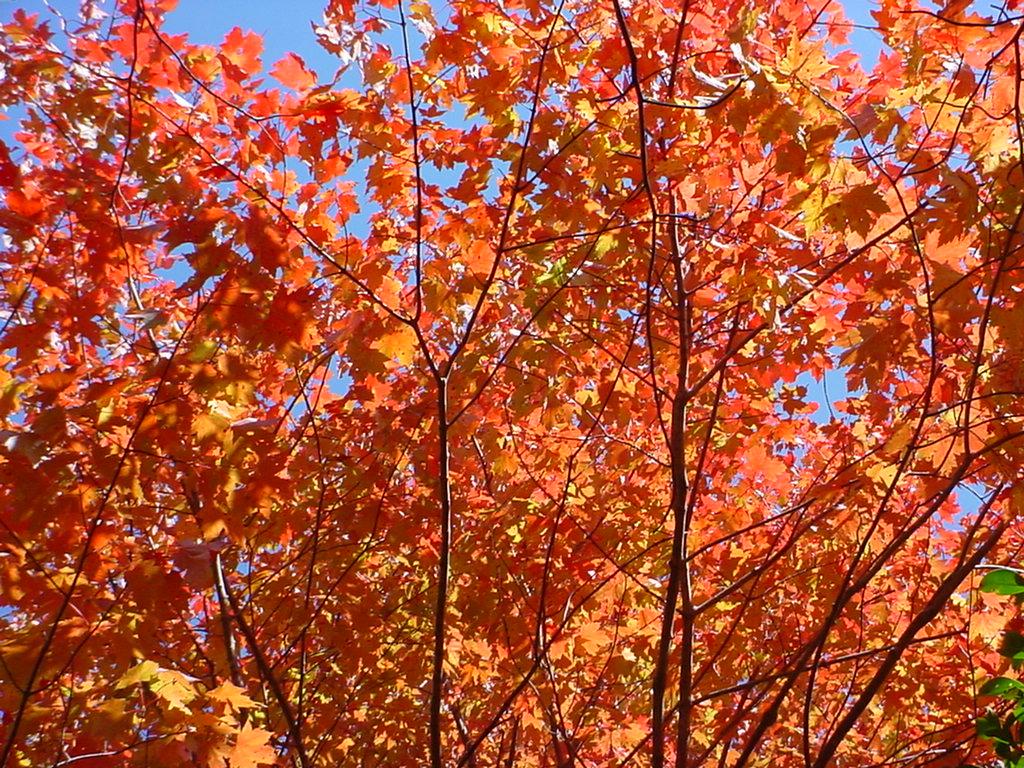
{"points": [[292, 72], [252, 748], [229, 693], [481, 258]]}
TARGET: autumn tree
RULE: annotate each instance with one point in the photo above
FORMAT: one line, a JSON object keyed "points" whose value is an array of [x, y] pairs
{"points": [[469, 408]]}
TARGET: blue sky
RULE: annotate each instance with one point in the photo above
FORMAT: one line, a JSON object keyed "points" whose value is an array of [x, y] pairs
{"points": [[285, 25]]}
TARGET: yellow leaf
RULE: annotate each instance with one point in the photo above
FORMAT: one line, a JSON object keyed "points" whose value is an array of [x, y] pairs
{"points": [[882, 474], [399, 347], [105, 414], [174, 688], [813, 208], [143, 672], [898, 440], [586, 397], [208, 425]]}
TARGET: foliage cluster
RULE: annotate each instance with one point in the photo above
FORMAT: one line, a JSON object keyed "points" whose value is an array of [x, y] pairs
{"points": [[465, 408]]}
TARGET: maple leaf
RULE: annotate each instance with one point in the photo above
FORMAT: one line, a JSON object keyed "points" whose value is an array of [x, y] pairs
{"points": [[594, 637], [291, 71], [860, 208], [242, 49], [251, 748], [9, 173], [480, 258], [399, 346], [231, 694], [174, 688], [143, 672], [267, 242]]}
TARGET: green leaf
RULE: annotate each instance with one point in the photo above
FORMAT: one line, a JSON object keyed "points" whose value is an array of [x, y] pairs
{"points": [[555, 273], [989, 726], [1002, 582], [1012, 647], [1000, 686]]}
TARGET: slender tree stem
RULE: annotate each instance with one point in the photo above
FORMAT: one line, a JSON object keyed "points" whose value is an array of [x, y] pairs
{"points": [[443, 568]]}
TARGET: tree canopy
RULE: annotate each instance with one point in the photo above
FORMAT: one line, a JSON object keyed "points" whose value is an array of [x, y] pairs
{"points": [[559, 383]]}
